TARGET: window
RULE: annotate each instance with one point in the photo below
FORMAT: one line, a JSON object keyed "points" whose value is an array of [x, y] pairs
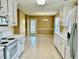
{"points": [[33, 26], [57, 24]]}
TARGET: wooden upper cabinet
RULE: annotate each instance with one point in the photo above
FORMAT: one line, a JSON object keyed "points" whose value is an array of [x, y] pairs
{"points": [[3, 7], [12, 12], [15, 12]]}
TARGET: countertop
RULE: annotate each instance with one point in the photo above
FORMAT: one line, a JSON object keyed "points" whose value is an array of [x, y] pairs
{"points": [[62, 35], [16, 36], [1, 47]]}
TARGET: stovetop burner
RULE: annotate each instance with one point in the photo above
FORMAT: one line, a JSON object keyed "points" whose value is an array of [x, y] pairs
{"points": [[4, 42], [3, 38], [11, 38]]}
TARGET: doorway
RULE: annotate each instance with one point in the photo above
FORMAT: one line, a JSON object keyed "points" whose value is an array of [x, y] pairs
{"points": [[33, 28]]}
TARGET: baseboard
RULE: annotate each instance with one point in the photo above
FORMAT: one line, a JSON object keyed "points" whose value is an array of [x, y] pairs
{"points": [[45, 35], [39, 35]]}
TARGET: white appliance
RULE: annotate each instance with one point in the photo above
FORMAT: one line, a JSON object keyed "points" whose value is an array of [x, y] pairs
{"points": [[10, 48], [21, 41], [3, 21], [1, 52], [74, 42]]}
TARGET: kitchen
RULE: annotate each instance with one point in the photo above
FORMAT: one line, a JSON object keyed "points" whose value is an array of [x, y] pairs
{"points": [[15, 26], [11, 45]]}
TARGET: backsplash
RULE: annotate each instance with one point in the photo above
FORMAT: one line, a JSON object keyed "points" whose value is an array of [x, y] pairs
{"points": [[6, 31]]}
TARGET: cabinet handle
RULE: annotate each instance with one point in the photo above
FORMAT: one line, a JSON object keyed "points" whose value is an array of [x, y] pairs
{"points": [[1, 7], [0, 4], [7, 18]]}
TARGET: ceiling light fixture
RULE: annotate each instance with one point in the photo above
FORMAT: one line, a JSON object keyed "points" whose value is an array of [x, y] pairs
{"points": [[41, 2]]}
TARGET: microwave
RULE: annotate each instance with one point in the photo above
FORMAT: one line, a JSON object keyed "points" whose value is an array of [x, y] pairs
{"points": [[3, 21]]}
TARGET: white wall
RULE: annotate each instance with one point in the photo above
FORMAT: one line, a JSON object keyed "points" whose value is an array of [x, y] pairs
{"points": [[6, 31], [22, 22]]}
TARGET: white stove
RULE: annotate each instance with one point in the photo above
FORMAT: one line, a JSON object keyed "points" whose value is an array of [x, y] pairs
{"points": [[10, 48], [6, 41]]}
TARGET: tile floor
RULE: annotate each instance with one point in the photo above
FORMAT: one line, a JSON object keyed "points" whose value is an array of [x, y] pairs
{"points": [[40, 47]]}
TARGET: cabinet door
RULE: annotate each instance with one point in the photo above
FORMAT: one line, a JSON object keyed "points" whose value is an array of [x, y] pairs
{"points": [[1, 54], [59, 43], [63, 47], [15, 13], [55, 39], [10, 12], [3, 7]]}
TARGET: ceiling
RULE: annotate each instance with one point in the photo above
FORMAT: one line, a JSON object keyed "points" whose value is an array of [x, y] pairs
{"points": [[31, 8]]}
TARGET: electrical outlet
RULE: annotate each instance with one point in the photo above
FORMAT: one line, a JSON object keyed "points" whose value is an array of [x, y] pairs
{"points": [[0, 33]]}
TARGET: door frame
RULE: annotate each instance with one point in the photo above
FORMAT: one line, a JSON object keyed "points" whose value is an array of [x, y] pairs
{"points": [[28, 26]]}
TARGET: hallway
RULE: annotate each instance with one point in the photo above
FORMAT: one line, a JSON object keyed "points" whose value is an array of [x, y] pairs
{"points": [[40, 47]]}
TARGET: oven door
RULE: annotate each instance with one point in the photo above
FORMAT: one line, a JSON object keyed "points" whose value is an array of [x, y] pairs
{"points": [[11, 51]]}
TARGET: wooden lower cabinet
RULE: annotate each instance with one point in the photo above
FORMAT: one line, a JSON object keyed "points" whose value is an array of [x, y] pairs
{"points": [[60, 44], [1, 54]]}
